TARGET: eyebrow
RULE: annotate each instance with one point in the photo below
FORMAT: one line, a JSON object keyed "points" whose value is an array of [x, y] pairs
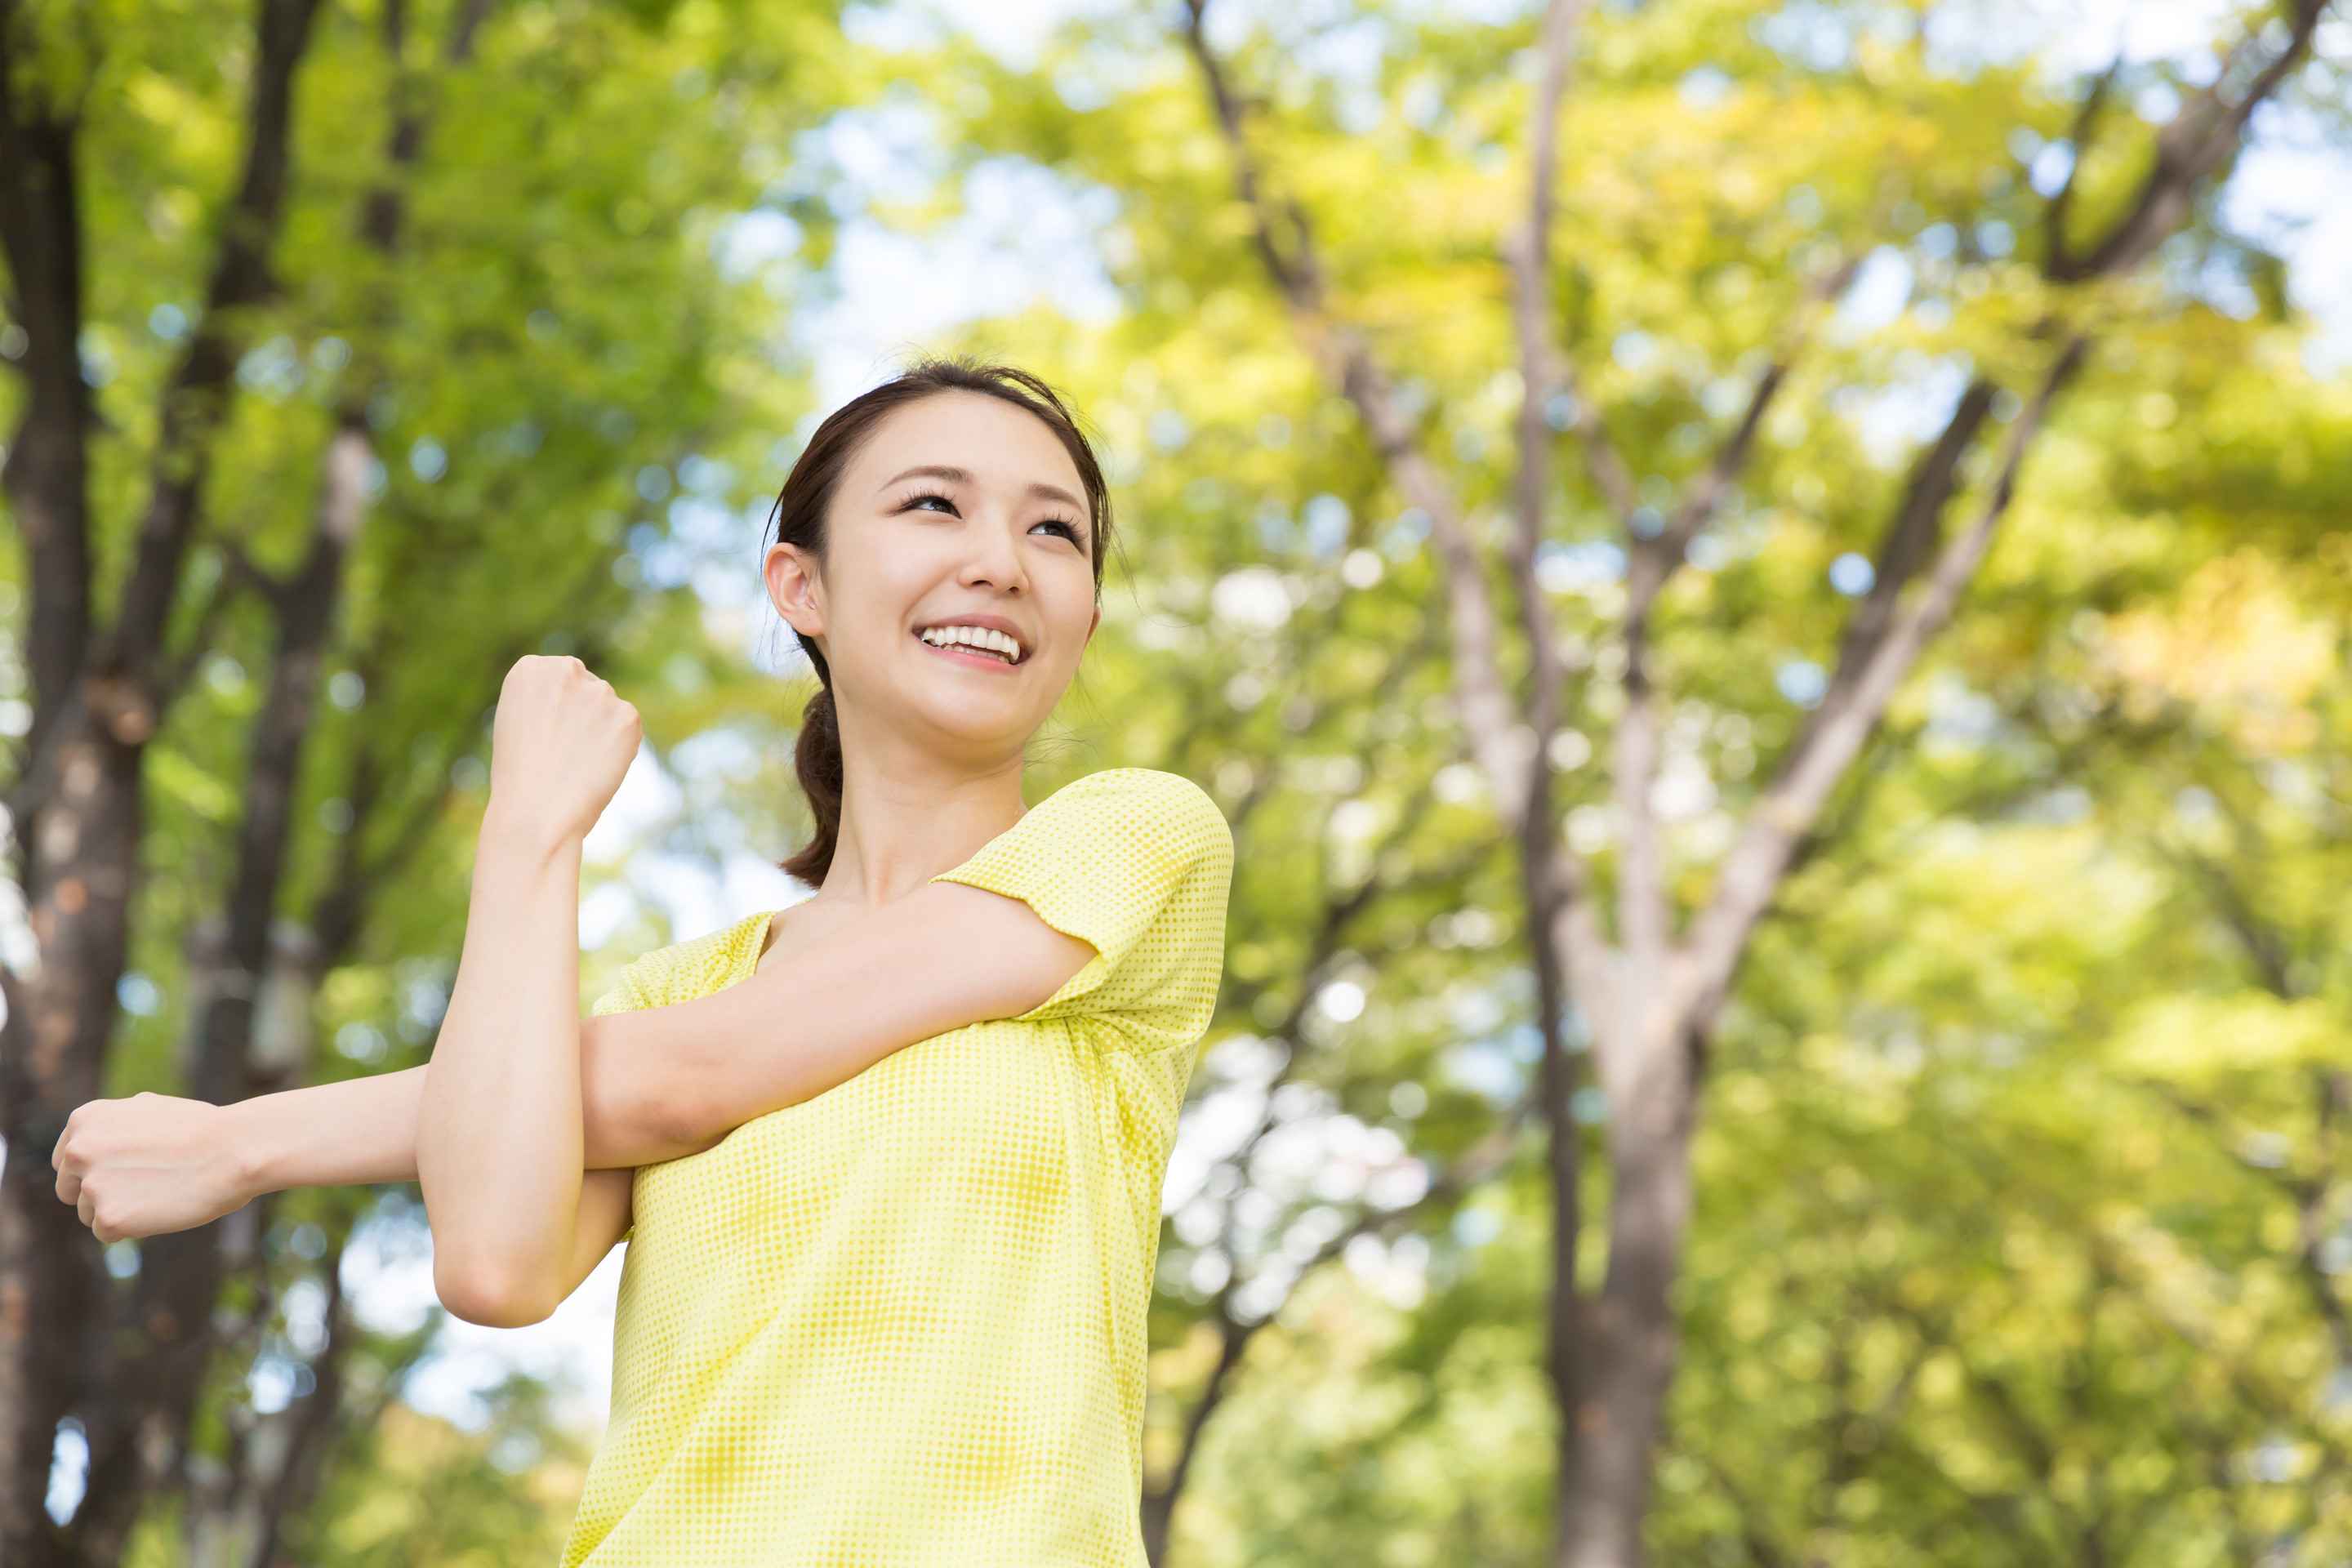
{"points": [[955, 475]]}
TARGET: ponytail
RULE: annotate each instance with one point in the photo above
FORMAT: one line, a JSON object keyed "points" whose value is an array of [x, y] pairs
{"points": [[816, 758], [798, 520]]}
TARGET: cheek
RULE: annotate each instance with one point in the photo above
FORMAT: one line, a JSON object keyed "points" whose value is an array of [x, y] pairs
{"points": [[870, 594], [1069, 601]]}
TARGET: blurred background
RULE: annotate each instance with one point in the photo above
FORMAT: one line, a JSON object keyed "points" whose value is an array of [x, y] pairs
{"points": [[1764, 587]]}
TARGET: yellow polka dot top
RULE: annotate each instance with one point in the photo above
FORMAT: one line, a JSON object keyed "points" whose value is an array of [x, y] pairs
{"points": [[901, 1324]]}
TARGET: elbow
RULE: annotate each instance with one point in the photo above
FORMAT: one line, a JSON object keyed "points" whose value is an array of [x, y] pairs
{"points": [[684, 1123], [645, 1124], [668, 1123], [492, 1293]]}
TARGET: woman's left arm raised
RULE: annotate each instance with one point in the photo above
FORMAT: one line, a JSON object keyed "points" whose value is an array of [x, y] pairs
{"points": [[500, 1151]]}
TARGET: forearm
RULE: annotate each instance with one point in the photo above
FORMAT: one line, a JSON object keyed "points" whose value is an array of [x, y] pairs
{"points": [[498, 1145], [363, 1131], [155, 1163], [357, 1132]]}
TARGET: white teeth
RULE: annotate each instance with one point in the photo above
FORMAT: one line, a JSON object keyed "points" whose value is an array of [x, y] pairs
{"points": [[974, 637]]}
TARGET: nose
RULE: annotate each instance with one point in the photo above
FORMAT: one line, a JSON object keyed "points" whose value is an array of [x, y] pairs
{"points": [[995, 559]]}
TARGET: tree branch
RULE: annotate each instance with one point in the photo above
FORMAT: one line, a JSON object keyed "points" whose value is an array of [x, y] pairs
{"points": [[1546, 885], [1476, 1164], [1530, 257], [2202, 136], [1296, 275], [1652, 562], [1490, 717], [1833, 735], [2312, 1197], [2265, 945], [1604, 464], [2056, 260], [1915, 531], [1644, 914], [196, 400], [1159, 1499]]}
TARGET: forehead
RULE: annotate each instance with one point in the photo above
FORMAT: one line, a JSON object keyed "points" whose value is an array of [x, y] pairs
{"points": [[1003, 446]]}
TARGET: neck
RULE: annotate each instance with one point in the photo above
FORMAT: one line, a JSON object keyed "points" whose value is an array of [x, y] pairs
{"points": [[906, 817]]}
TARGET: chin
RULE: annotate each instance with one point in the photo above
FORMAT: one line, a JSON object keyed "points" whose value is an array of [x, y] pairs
{"points": [[976, 724]]}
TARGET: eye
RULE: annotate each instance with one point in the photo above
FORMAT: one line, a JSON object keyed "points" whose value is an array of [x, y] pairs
{"points": [[930, 500], [1066, 528]]}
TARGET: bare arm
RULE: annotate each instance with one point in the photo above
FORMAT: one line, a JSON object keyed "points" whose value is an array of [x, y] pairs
{"points": [[504, 1120], [667, 1081], [545, 1093], [657, 1084], [523, 1096], [493, 1134], [154, 1164], [500, 1151]]}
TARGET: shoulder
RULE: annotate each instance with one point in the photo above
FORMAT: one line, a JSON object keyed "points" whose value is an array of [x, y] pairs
{"points": [[1145, 795], [1131, 810], [687, 971], [1107, 838]]}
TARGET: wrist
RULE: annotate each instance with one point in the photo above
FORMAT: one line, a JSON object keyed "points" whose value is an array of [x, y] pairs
{"points": [[511, 832], [248, 1163]]}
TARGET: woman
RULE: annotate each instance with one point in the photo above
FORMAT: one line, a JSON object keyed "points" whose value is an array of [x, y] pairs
{"points": [[892, 1156]]}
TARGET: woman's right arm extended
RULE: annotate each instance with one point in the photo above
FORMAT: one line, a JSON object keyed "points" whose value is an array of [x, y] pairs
{"points": [[153, 1162]]}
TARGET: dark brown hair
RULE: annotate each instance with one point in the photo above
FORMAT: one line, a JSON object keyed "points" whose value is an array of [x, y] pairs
{"points": [[798, 520]]}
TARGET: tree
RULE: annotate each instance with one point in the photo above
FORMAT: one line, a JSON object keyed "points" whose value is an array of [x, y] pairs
{"points": [[1370, 235], [362, 297], [1653, 1000]]}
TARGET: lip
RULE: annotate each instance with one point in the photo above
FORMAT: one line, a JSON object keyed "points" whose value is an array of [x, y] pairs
{"points": [[975, 660]]}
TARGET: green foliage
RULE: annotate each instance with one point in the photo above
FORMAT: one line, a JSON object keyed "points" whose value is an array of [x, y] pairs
{"points": [[414, 1490], [2022, 1211], [507, 255], [2023, 1220]]}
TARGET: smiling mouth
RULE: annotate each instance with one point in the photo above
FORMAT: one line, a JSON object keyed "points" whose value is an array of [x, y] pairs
{"points": [[982, 642]]}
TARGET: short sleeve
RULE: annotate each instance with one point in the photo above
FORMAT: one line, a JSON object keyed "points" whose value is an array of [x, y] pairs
{"points": [[627, 995], [1135, 864], [687, 971]]}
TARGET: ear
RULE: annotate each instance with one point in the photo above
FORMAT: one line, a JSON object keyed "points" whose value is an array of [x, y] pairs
{"points": [[1091, 626], [795, 588]]}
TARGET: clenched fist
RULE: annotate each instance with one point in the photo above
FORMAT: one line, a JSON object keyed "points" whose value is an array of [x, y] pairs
{"points": [[149, 1165], [562, 740]]}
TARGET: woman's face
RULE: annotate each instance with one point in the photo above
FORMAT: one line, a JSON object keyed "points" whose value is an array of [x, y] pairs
{"points": [[957, 588]]}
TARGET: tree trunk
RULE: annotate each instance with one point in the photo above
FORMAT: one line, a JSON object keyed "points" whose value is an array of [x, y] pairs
{"points": [[84, 848], [47, 1262], [1655, 998], [77, 802], [280, 1470], [1631, 1332], [182, 1272]]}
